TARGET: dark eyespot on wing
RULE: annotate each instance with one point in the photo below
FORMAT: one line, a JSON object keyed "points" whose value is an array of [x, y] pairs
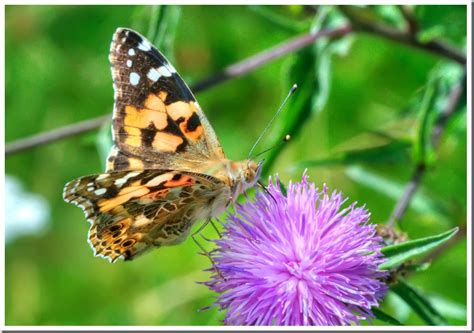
{"points": [[193, 122]]}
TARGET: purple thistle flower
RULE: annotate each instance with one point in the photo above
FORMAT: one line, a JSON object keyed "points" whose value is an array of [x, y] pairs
{"points": [[298, 259]]}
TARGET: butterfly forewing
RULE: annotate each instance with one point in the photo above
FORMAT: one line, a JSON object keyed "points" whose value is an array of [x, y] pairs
{"points": [[155, 115]]}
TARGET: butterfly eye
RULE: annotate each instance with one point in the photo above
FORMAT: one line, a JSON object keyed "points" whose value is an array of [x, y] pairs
{"points": [[249, 175]]}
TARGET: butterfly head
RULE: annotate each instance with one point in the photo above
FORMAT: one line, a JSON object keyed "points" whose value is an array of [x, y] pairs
{"points": [[246, 174], [251, 173]]}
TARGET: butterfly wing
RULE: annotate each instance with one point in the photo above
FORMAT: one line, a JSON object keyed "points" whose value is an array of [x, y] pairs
{"points": [[156, 118], [132, 212]]}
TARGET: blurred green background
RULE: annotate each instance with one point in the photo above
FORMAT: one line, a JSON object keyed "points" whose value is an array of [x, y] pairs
{"points": [[358, 111]]}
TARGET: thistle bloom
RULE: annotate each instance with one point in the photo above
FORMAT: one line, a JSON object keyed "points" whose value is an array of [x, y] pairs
{"points": [[298, 259]]}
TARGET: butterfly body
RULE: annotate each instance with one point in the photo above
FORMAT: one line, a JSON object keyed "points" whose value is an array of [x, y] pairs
{"points": [[166, 169]]}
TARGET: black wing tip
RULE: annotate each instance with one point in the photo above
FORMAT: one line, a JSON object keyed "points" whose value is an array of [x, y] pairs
{"points": [[122, 32]]}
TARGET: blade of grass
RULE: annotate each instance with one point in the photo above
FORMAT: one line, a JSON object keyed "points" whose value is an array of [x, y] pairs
{"points": [[382, 316], [419, 303], [402, 252]]}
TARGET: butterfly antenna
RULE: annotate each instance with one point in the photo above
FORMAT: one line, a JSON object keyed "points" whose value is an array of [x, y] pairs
{"points": [[285, 139], [292, 90]]}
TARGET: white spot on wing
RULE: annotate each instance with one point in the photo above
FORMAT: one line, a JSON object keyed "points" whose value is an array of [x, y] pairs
{"points": [[129, 63], [153, 75], [144, 45], [158, 180], [90, 189], [120, 181], [103, 176], [100, 191], [123, 180], [131, 52], [164, 71], [141, 220], [134, 78]]}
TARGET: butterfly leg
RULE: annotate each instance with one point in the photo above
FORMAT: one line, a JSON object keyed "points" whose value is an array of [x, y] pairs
{"points": [[204, 251], [215, 228]]}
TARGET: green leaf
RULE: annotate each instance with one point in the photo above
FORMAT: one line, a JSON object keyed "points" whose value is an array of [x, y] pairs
{"points": [[288, 17], [390, 14], [419, 303], [390, 152], [160, 23], [421, 202], [448, 308], [417, 268], [359, 15], [380, 315], [430, 105], [311, 70], [397, 306], [399, 253], [430, 34], [423, 147], [165, 29], [436, 23]]}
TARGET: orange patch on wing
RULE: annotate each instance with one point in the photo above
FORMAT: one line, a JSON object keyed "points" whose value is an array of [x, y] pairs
{"points": [[196, 134], [134, 136], [166, 142], [135, 164], [193, 135], [162, 95], [123, 196], [185, 110], [184, 180], [142, 118], [180, 109], [154, 102]]}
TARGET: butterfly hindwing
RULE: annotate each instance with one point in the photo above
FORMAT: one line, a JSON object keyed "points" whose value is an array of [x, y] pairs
{"points": [[131, 212], [156, 117]]}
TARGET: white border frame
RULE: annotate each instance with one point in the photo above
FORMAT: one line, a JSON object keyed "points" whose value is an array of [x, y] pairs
{"points": [[260, 328]]}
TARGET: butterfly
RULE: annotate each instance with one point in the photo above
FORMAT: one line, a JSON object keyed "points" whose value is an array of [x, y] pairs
{"points": [[166, 169]]}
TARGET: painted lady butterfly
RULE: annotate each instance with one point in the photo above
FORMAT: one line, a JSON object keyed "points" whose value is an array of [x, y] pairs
{"points": [[166, 169]]}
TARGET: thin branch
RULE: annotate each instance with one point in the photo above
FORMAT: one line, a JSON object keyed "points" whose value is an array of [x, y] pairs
{"points": [[252, 63], [266, 56], [396, 35], [415, 180], [407, 12], [56, 134], [410, 190], [229, 72], [432, 46]]}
